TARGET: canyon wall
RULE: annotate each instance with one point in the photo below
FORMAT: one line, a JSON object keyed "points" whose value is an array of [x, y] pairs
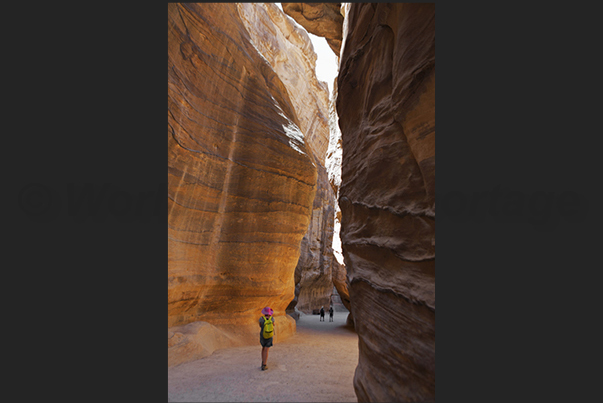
{"points": [[288, 49], [313, 273], [386, 108], [320, 19], [247, 138], [325, 19], [241, 178]]}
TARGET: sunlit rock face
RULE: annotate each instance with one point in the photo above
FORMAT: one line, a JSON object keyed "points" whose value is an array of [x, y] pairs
{"points": [[386, 107], [321, 19], [241, 176], [289, 51]]}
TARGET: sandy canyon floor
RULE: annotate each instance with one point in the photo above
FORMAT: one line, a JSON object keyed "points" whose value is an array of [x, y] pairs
{"points": [[315, 365]]}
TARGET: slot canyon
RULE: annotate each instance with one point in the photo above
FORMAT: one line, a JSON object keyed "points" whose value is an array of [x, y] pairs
{"points": [[284, 193]]}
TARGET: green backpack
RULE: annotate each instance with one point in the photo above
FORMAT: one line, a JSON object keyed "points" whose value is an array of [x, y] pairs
{"points": [[268, 328]]}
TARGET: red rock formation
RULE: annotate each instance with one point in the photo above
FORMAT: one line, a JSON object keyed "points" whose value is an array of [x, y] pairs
{"points": [[321, 19], [386, 107], [241, 178]]}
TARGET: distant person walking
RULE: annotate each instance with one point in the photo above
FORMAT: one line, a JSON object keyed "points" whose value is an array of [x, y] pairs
{"points": [[322, 314], [266, 334], [331, 314]]}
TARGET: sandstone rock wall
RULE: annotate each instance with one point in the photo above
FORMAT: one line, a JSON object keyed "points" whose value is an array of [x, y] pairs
{"points": [[386, 108], [288, 49], [321, 19], [313, 272], [325, 19], [241, 176]]}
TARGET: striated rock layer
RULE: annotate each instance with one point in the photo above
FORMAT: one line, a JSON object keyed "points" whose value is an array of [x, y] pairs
{"points": [[386, 107], [241, 177], [320, 19], [313, 273], [288, 49]]}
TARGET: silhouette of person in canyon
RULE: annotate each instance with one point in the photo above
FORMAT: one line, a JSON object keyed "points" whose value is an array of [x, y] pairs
{"points": [[331, 314], [266, 343], [322, 314]]}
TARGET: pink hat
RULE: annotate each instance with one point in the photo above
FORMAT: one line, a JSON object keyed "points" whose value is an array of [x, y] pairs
{"points": [[267, 311]]}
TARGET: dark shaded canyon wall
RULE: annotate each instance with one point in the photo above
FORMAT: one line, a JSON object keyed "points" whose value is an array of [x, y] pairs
{"points": [[241, 179], [313, 273], [386, 107]]}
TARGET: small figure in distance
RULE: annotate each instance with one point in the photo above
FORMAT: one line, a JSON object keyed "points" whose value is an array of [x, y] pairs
{"points": [[331, 314], [322, 314]]}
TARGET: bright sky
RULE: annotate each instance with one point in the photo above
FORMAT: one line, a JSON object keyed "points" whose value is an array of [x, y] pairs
{"points": [[326, 62]]}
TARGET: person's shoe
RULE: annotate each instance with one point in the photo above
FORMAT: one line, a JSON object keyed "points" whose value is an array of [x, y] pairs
{"points": [[264, 367]]}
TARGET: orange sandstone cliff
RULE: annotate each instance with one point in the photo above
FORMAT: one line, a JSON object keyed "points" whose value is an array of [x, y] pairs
{"points": [[241, 176], [247, 137]]}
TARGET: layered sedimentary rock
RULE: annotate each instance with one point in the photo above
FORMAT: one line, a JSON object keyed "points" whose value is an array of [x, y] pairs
{"points": [[321, 19], [313, 272], [288, 49], [241, 176], [386, 107]]}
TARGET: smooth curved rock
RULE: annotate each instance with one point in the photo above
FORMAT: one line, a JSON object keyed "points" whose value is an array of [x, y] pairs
{"points": [[289, 50], [194, 341], [386, 107], [313, 273], [321, 19], [241, 176], [340, 282]]}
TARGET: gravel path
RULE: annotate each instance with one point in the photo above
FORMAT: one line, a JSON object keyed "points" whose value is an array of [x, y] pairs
{"points": [[315, 365]]}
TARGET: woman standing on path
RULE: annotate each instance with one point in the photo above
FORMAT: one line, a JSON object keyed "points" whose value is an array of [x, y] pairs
{"points": [[266, 334]]}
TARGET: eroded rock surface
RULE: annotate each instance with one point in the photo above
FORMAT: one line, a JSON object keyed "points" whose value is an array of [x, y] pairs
{"points": [[386, 107], [288, 49], [321, 19], [313, 273], [241, 176], [194, 341], [340, 282]]}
